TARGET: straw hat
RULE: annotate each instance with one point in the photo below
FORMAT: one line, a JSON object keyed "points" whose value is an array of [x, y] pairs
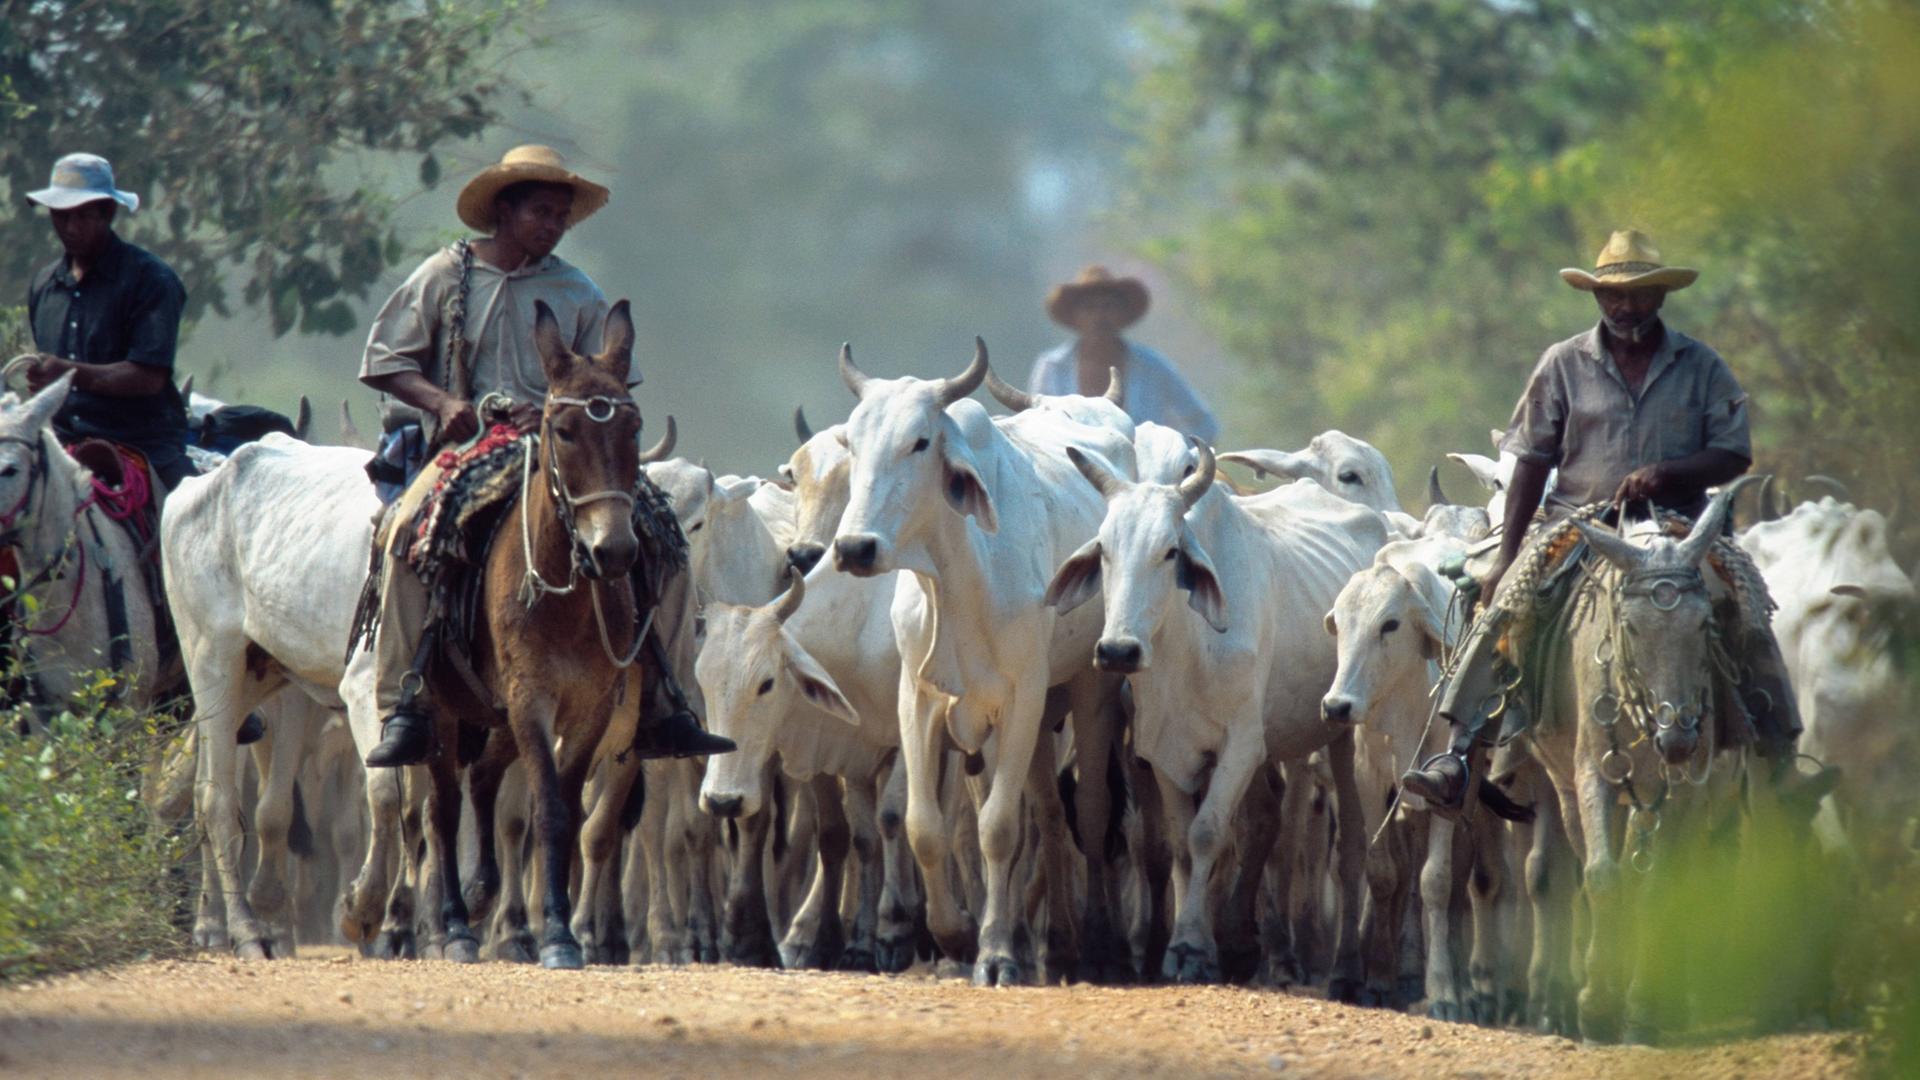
{"points": [[1094, 281], [1629, 261], [531, 162], [82, 178]]}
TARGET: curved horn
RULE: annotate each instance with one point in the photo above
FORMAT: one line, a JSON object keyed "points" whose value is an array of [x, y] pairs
{"points": [[1102, 478], [349, 431], [186, 388], [952, 390], [1194, 486], [1705, 531], [664, 448], [1264, 463], [1115, 392], [800, 425], [1011, 396], [303, 418], [1435, 496], [1830, 484], [789, 601], [1768, 511], [855, 379]]}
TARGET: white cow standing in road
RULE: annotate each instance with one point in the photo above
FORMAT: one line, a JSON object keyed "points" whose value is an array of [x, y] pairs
{"points": [[976, 513]]}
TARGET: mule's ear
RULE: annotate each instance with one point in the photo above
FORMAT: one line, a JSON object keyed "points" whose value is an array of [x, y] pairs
{"points": [[555, 358], [616, 350], [1611, 546], [964, 489], [817, 686], [42, 406], [1078, 579], [1194, 572]]}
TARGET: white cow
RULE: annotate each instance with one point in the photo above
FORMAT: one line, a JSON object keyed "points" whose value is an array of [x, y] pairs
{"points": [[1232, 684], [979, 646], [1351, 468]]}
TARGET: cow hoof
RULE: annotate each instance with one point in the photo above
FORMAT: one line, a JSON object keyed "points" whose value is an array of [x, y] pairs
{"points": [[253, 949], [1190, 964], [1408, 989], [212, 938], [514, 948], [1483, 1009], [1373, 996], [1344, 989], [561, 956], [1238, 965], [998, 971], [754, 954], [858, 958], [895, 955], [398, 944], [944, 968], [461, 950], [619, 954], [1447, 1011], [1106, 971]]}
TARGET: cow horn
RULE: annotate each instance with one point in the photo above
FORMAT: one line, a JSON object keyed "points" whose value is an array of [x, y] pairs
{"points": [[1435, 496], [349, 431], [303, 418], [855, 379], [789, 601], [800, 425], [1831, 484], [186, 388], [664, 448], [1115, 391], [1011, 396], [1767, 511], [1102, 478], [1194, 486], [952, 390], [1705, 531]]}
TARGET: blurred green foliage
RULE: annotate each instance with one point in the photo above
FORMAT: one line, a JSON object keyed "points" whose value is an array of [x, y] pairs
{"points": [[87, 876], [1371, 199], [226, 117]]}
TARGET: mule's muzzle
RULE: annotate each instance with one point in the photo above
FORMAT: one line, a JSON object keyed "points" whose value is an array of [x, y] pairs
{"points": [[1122, 656]]}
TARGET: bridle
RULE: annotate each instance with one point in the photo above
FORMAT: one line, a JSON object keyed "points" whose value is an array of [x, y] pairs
{"points": [[600, 409], [12, 524]]}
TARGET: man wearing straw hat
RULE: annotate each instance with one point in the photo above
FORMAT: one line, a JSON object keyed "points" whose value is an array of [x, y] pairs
{"points": [[1097, 306], [1630, 411], [459, 331], [109, 312]]}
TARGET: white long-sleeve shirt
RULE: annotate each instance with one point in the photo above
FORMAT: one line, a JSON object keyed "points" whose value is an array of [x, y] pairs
{"points": [[1152, 387]]}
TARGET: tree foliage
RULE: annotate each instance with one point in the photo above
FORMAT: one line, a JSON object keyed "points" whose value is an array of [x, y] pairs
{"points": [[232, 120], [1371, 199]]}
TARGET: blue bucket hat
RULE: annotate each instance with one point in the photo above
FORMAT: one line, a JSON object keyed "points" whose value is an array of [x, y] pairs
{"points": [[82, 178]]}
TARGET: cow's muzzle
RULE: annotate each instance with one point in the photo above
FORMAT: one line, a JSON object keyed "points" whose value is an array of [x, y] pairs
{"points": [[857, 554], [1337, 709], [1122, 656], [806, 555], [723, 806]]}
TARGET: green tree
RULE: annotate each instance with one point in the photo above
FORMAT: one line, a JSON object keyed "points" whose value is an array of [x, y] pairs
{"points": [[233, 120]]}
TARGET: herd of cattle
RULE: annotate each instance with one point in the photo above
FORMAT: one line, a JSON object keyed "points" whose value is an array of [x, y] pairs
{"points": [[1040, 693]]}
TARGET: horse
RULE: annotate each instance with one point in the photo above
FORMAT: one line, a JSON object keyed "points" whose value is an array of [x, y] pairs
{"points": [[557, 628]]}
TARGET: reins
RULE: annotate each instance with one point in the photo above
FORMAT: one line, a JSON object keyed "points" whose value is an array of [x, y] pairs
{"points": [[10, 528], [600, 409]]}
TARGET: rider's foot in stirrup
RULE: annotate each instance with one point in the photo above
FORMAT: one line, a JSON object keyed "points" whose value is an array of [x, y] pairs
{"points": [[1442, 782], [678, 735], [405, 739]]}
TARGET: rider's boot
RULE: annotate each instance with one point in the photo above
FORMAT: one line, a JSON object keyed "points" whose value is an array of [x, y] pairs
{"points": [[1471, 701], [406, 734]]}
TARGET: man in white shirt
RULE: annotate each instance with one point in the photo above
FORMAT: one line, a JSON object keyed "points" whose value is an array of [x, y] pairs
{"points": [[1097, 306]]}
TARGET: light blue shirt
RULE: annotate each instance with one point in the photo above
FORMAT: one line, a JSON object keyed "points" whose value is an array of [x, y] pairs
{"points": [[1153, 389]]}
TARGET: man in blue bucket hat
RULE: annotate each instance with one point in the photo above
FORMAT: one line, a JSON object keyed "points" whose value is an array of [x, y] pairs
{"points": [[109, 312]]}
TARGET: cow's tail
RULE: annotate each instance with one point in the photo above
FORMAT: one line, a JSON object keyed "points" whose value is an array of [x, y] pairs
{"points": [[636, 803], [1496, 799], [300, 830]]}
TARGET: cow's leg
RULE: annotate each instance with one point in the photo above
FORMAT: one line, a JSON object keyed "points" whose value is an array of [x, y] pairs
{"points": [[1489, 886], [666, 940], [902, 911], [817, 937], [699, 838], [1052, 883], [1601, 998], [1155, 860], [1094, 699], [1014, 738], [290, 724], [921, 750], [1446, 991], [1238, 936], [867, 880], [224, 693], [1411, 846], [746, 939], [510, 935], [1350, 857], [1194, 955], [603, 941], [635, 890], [1551, 886], [362, 905]]}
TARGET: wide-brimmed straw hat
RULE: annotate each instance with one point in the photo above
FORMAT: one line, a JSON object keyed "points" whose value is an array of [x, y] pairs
{"points": [[82, 178], [1629, 261], [531, 162], [1093, 281]]}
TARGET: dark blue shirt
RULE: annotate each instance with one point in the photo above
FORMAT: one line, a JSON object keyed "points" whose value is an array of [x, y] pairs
{"points": [[126, 308]]}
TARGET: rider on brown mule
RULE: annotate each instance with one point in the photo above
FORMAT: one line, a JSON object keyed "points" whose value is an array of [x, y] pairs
{"points": [[458, 334], [1630, 412]]}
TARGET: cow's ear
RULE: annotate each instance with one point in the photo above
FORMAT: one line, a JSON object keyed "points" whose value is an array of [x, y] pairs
{"points": [[964, 489], [1078, 579], [817, 686], [1429, 618], [1194, 573]]}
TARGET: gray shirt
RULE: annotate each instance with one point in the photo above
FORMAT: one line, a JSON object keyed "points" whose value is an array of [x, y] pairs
{"points": [[413, 330], [1151, 388], [1579, 415]]}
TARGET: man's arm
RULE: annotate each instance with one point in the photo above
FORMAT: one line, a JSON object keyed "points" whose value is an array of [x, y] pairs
{"points": [[122, 379], [458, 421], [1524, 491], [1664, 480]]}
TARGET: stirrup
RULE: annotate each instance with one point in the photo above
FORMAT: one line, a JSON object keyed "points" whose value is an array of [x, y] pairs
{"points": [[1421, 782], [406, 738]]}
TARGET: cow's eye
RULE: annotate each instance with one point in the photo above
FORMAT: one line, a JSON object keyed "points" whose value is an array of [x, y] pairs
{"points": [[1350, 477], [765, 688], [9, 471], [695, 527], [1389, 627], [1172, 554], [921, 444]]}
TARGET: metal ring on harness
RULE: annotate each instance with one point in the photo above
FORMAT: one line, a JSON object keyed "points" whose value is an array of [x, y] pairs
{"points": [[600, 408], [1625, 770], [1638, 817], [1641, 860], [1665, 715], [1606, 709]]}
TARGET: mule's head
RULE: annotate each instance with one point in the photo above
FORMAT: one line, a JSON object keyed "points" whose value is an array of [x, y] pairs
{"points": [[908, 455], [1662, 621], [755, 675], [22, 427], [589, 437], [1144, 553]]}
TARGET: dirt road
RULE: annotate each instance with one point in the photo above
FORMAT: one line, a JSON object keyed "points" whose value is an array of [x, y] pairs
{"points": [[327, 1014]]}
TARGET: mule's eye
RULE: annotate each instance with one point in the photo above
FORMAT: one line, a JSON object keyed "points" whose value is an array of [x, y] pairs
{"points": [[765, 688], [563, 434], [921, 444], [1389, 627], [9, 471], [1172, 554], [1350, 477]]}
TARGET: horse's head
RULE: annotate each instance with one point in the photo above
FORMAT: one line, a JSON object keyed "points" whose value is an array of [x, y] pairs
{"points": [[589, 437], [23, 426], [1660, 641]]}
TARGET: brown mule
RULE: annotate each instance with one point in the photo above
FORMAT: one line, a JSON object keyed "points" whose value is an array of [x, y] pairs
{"points": [[557, 632]]}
